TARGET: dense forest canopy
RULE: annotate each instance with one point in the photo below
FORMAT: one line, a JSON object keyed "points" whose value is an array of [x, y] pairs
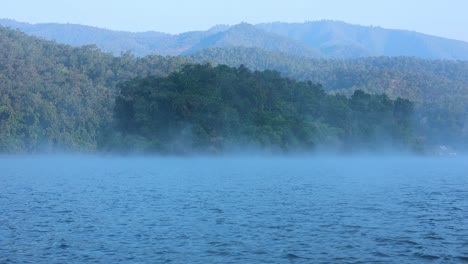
{"points": [[55, 97], [438, 87], [214, 109]]}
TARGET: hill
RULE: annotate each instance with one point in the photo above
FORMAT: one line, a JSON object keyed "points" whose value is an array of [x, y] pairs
{"points": [[217, 109], [56, 97], [439, 87], [332, 39]]}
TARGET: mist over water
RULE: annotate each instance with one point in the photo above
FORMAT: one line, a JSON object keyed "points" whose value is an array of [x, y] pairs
{"points": [[233, 209]]}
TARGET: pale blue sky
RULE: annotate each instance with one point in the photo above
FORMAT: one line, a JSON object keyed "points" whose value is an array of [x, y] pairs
{"points": [[447, 18]]}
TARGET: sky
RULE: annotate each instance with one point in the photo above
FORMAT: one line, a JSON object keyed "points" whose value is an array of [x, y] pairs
{"points": [[446, 18]]}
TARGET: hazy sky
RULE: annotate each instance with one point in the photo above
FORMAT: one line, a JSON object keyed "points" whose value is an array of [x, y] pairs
{"points": [[446, 18]]}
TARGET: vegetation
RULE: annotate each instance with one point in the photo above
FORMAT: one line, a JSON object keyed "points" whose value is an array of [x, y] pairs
{"points": [[212, 109], [55, 97], [438, 87]]}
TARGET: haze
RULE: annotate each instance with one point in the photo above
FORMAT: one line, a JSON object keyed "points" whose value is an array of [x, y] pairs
{"points": [[441, 18]]}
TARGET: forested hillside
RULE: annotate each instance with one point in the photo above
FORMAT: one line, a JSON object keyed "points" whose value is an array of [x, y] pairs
{"points": [[215, 109], [55, 97], [439, 87]]}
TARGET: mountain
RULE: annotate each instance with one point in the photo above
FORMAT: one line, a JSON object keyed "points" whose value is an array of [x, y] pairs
{"points": [[331, 39], [341, 40], [115, 42], [145, 43], [246, 35]]}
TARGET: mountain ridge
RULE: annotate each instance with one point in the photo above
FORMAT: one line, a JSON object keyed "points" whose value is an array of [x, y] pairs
{"points": [[374, 41], [247, 35], [325, 38]]}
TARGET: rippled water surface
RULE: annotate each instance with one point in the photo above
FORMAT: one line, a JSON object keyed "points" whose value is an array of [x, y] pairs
{"points": [[233, 210]]}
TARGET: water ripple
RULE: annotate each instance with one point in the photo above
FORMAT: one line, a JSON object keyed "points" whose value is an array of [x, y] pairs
{"points": [[275, 210]]}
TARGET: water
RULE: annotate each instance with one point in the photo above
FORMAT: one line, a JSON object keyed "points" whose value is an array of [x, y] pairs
{"points": [[233, 210]]}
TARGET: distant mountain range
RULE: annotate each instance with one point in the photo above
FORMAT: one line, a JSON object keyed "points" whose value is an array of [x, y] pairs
{"points": [[321, 39]]}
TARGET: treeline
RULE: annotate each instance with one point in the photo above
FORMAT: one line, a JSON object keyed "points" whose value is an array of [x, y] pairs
{"points": [[439, 88], [215, 109], [55, 97]]}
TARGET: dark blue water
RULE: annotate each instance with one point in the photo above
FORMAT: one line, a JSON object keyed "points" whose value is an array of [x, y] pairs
{"points": [[233, 210]]}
